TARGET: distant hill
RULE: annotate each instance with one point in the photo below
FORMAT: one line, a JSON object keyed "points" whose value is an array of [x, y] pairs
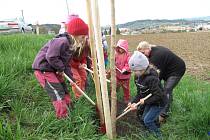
{"points": [[140, 24]]}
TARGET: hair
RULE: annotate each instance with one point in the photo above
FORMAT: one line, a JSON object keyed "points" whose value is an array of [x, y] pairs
{"points": [[118, 49], [78, 45], [143, 45], [151, 66]]}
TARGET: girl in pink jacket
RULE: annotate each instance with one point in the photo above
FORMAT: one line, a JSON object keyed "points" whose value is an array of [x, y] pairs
{"points": [[123, 72]]}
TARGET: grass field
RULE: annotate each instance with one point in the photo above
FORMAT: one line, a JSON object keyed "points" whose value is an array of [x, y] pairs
{"points": [[26, 111]]}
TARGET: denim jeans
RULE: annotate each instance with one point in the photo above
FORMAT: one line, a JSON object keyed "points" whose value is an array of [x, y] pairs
{"points": [[151, 113], [169, 85]]}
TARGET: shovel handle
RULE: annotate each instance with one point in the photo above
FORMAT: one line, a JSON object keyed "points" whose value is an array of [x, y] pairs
{"points": [[71, 81], [93, 72], [118, 69], [128, 110]]}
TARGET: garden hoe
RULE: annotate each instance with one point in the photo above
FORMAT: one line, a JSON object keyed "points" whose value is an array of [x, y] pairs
{"points": [[74, 84], [128, 109], [102, 126]]}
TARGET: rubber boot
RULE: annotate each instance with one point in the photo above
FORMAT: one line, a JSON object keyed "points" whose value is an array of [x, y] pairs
{"points": [[60, 109], [69, 103]]}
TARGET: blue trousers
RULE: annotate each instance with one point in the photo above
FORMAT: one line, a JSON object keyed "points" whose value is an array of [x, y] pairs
{"points": [[150, 114]]}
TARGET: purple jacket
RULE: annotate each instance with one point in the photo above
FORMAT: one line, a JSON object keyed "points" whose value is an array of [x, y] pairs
{"points": [[54, 56]]}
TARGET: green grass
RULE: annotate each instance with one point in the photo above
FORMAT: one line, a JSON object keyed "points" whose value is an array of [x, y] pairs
{"points": [[190, 115], [27, 113]]}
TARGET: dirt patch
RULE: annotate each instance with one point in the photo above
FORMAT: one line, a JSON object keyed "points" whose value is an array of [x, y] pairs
{"points": [[126, 126], [129, 124]]}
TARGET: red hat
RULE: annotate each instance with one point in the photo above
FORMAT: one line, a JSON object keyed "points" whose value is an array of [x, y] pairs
{"points": [[77, 27], [70, 17]]}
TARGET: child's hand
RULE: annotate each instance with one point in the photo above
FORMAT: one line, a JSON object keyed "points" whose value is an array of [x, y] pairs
{"points": [[60, 73], [108, 74], [73, 84], [129, 106], [123, 71], [133, 106], [141, 101], [82, 66]]}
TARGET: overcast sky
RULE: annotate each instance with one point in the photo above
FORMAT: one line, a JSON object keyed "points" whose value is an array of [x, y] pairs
{"points": [[55, 11]]}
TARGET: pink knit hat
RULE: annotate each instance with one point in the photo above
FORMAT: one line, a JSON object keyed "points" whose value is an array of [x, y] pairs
{"points": [[77, 27], [123, 44]]}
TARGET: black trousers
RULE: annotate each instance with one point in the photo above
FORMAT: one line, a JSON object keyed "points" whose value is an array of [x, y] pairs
{"points": [[169, 85]]}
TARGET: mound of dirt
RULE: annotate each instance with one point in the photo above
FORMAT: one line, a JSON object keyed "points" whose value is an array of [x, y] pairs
{"points": [[129, 124]]}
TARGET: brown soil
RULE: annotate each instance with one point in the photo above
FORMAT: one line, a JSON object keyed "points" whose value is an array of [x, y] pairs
{"points": [[129, 124], [194, 48]]}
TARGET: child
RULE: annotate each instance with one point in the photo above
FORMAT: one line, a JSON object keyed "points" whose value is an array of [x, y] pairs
{"points": [[52, 61], [79, 57], [148, 83], [63, 24], [105, 49], [123, 73], [77, 64]]}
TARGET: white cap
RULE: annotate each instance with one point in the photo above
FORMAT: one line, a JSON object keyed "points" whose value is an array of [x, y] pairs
{"points": [[138, 61]]}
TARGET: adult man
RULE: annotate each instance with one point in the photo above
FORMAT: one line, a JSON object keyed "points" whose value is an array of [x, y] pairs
{"points": [[171, 67]]}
